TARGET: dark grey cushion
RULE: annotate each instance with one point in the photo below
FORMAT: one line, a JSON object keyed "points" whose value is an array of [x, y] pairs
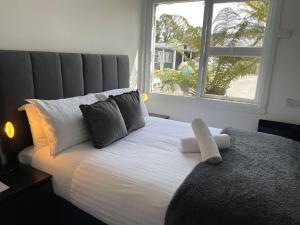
{"points": [[130, 107], [105, 122]]}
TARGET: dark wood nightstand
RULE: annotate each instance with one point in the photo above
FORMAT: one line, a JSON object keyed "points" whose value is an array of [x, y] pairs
{"points": [[159, 116], [29, 199]]}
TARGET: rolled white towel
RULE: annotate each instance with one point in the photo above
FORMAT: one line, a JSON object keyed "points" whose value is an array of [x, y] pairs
{"points": [[208, 147], [190, 145], [222, 140]]}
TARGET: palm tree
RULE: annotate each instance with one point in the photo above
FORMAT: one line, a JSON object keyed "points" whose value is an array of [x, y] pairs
{"points": [[244, 27]]}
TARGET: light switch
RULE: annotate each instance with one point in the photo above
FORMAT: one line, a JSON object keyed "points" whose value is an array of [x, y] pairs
{"points": [[285, 34], [293, 103]]}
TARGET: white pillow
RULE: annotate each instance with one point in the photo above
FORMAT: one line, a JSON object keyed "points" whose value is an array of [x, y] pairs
{"points": [[39, 136], [63, 120], [104, 95]]}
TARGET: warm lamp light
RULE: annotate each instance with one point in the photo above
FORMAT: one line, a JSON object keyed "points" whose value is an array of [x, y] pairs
{"points": [[145, 97], [9, 129]]}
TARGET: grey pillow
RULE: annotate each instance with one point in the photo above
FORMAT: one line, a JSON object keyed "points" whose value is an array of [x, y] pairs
{"points": [[105, 122], [130, 107]]}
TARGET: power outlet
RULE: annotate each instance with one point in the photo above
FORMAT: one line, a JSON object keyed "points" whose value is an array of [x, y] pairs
{"points": [[292, 103]]}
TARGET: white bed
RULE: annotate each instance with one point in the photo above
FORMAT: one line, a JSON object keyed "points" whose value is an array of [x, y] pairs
{"points": [[131, 182]]}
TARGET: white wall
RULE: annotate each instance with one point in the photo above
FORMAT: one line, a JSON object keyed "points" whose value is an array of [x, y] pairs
{"points": [[87, 26], [285, 84], [286, 77]]}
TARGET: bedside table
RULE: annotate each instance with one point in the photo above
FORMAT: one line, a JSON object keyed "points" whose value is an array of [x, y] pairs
{"points": [[29, 199], [159, 116]]}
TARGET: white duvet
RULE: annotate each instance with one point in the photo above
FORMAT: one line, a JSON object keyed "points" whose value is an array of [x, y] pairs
{"points": [[132, 181]]}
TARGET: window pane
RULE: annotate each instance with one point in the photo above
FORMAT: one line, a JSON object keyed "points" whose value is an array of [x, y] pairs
{"points": [[178, 30], [234, 77], [239, 24]]}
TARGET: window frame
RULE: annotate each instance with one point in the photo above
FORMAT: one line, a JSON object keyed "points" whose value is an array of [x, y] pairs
{"points": [[265, 73]]}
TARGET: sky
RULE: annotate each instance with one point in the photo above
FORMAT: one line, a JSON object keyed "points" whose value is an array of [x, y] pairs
{"points": [[192, 11]]}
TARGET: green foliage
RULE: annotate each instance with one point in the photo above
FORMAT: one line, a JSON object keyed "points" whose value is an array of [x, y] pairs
{"points": [[176, 29], [242, 27], [224, 69], [185, 77]]}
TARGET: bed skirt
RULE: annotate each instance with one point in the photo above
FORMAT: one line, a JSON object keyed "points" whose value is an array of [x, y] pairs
{"points": [[67, 213]]}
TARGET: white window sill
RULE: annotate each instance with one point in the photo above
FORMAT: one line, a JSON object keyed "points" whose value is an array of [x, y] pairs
{"points": [[210, 103]]}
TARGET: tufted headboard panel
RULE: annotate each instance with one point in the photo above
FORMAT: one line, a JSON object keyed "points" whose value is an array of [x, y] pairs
{"points": [[51, 75]]}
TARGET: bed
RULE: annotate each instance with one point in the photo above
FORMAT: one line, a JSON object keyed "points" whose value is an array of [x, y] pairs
{"points": [[139, 174], [129, 182], [143, 178]]}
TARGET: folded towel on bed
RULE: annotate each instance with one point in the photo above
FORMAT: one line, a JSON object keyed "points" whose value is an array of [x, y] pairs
{"points": [[208, 147], [190, 145]]}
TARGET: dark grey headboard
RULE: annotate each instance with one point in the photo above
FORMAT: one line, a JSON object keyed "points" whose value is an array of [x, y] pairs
{"points": [[49, 75]]}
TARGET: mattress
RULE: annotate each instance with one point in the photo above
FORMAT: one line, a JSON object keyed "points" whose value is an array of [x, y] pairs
{"points": [[130, 182]]}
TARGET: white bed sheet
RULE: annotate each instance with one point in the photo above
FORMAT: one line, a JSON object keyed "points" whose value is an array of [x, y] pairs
{"points": [[132, 181]]}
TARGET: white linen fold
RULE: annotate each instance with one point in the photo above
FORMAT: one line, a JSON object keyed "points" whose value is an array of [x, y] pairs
{"points": [[190, 145]]}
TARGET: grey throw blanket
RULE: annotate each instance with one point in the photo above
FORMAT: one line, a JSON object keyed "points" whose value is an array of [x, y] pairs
{"points": [[258, 183]]}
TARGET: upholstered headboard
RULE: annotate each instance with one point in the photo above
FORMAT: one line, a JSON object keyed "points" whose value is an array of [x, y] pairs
{"points": [[50, 75]]}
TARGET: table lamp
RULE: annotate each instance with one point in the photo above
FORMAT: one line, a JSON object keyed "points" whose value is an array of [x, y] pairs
{"points": [[9, 131], [145, 97]]}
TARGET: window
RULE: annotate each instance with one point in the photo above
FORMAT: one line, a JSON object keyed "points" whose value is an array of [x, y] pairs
{"points": [[178, 32], [211, 49]]}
